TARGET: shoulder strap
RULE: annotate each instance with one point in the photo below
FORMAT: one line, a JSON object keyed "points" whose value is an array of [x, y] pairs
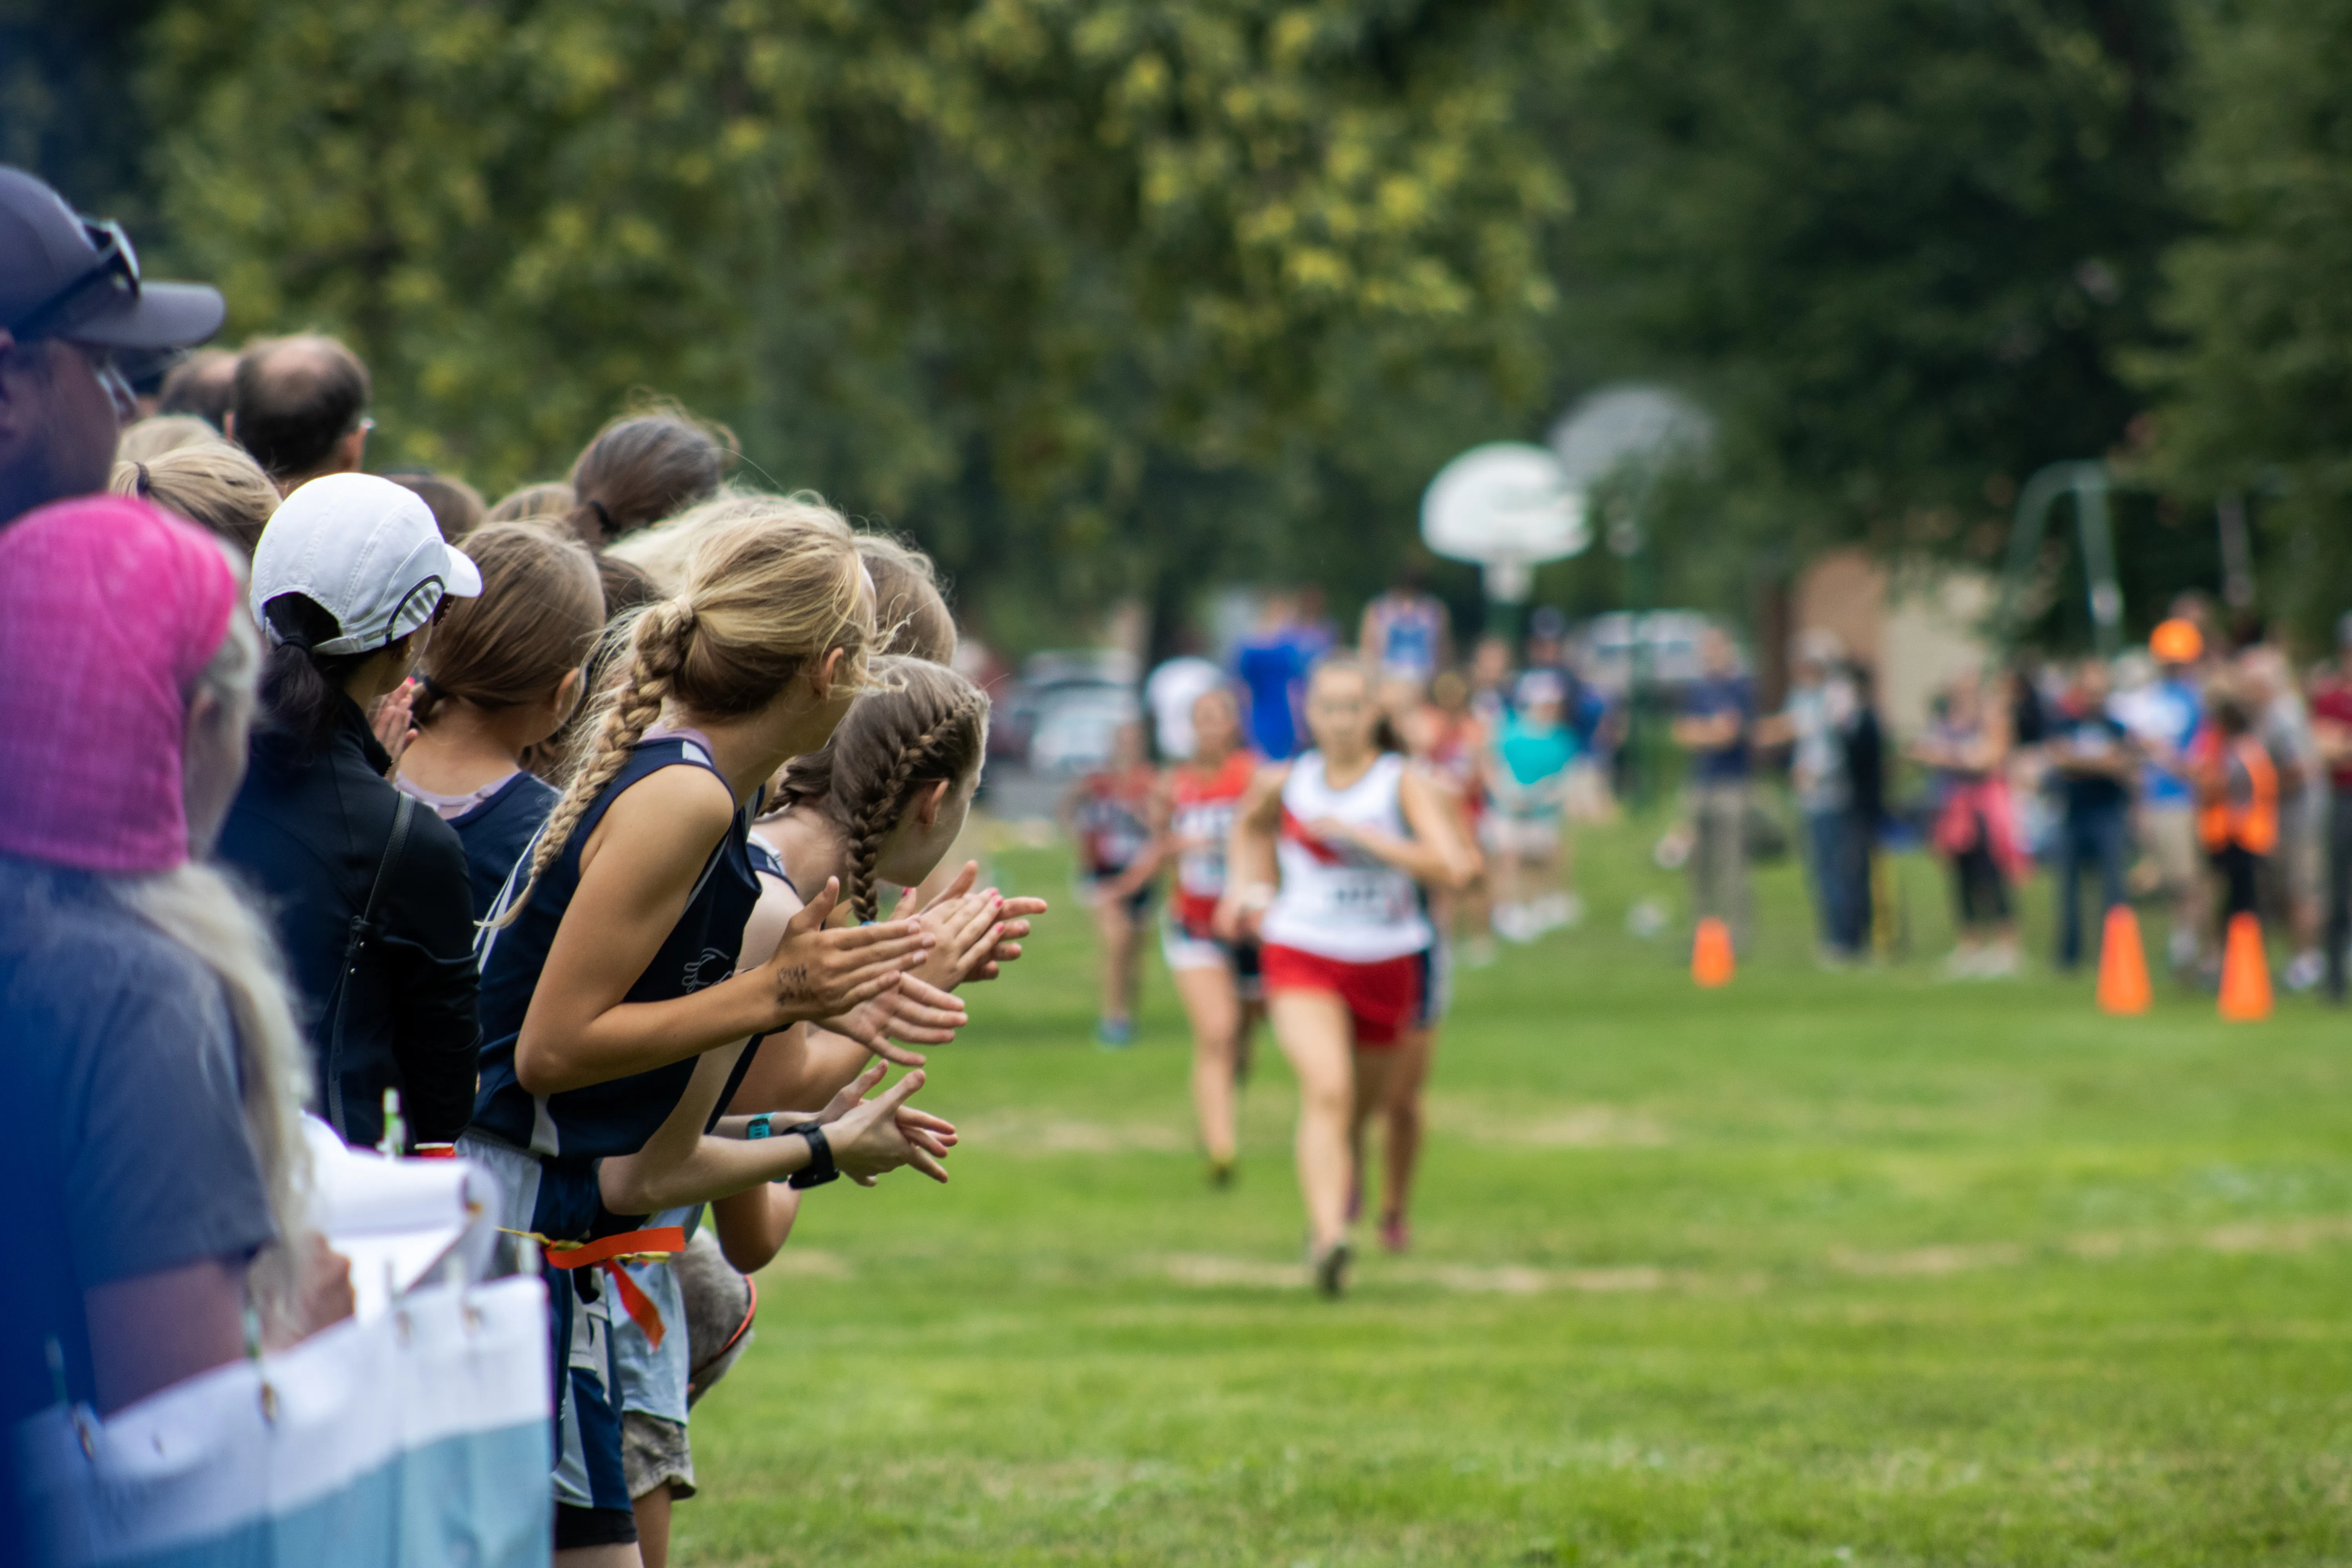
{"points": [[363, 926], [402, 815]]}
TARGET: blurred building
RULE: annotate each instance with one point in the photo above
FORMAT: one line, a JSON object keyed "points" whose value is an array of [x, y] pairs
{"points": [[1918, 625]]}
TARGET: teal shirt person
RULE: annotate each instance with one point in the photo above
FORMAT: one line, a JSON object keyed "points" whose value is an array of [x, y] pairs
{"points": [[1536, 750]]}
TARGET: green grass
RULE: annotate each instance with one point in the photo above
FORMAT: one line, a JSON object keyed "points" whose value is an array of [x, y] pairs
{"points": [[1818, 1270]]}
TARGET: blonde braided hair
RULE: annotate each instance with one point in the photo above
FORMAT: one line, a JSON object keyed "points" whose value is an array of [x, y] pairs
{"points": [[921, 724], [766, 594]]}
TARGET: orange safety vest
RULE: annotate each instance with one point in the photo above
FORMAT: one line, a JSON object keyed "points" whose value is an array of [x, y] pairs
{"points": [[2253, 824]]}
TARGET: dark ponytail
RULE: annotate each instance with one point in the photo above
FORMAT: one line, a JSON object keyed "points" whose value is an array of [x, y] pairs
{"points": [[300, 689]]}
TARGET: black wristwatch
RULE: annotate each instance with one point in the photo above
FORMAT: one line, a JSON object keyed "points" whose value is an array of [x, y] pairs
{"points": [[820, 1168]]}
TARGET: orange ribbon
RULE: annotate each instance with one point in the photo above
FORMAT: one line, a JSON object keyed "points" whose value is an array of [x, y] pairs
{"points": [[612, 1251], [630, 1243]]}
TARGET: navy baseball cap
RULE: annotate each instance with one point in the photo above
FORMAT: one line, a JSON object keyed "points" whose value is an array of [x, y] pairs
{"points": [[66, 276]]}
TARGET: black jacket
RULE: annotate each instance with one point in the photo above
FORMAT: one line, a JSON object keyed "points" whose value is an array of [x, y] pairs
{"points": [[308, 830]]}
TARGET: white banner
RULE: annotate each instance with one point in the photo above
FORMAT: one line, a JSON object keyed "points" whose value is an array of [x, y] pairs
{"points": [[418, 1439]]}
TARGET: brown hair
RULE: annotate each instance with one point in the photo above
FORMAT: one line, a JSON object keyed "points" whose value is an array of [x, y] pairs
{"points": [[456, 506], [626, 590], [921, 723], [643, 467], [910, 614], [204, 385], [765, 596], [211, 483], [548, 497], [539, 612]]}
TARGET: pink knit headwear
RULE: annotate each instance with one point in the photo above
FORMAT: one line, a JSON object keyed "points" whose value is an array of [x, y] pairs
{"points": [[109, 611]]}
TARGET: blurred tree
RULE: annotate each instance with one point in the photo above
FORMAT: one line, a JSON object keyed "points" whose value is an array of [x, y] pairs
{"points": [[1094, 298], [2257, 392], [1898, 246], [68, 111]]}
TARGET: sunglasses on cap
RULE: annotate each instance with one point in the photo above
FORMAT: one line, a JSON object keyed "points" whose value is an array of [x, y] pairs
{"points": [[111, 278]]}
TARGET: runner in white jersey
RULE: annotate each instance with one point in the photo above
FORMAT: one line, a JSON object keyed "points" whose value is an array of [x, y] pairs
{"points": [[1350, 831]]}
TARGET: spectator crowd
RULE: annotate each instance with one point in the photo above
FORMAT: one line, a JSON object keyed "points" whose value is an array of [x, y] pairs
{"points": [[594, 836]]}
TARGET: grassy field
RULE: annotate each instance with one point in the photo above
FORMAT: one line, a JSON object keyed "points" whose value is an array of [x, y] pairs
{"points": [[1865, 1268]]}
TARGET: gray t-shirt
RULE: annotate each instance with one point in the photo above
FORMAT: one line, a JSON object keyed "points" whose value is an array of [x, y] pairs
{"points": [[123, 1138], [2284, 727], [1819, 715]]}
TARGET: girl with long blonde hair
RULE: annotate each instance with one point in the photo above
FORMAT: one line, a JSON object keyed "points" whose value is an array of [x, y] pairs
{"points": [[610, 961]]}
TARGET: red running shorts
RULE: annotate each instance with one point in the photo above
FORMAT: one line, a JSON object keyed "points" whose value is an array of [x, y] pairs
{"points": [[1382, 998]]}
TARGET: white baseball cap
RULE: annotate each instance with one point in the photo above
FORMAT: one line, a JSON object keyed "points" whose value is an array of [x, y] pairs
{"points": [[368, 550]]}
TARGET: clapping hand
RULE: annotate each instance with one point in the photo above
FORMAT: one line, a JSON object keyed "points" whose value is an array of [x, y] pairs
{"points": [[822, 972], [872, 1137]]}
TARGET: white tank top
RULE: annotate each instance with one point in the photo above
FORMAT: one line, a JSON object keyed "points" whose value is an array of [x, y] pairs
{"points": [[1338, 901]]}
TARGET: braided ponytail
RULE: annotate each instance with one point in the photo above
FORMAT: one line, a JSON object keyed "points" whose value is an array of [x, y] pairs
{"points": [[922, 725], [659, 640], [765, 593]]}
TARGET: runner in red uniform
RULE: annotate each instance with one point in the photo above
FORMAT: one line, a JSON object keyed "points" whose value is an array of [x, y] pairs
{"points": [[1352, 832], [1218, 980]]}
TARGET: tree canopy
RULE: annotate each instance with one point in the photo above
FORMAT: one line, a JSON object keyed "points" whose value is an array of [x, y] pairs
{"points": [[2256, 382], [1090, 296], [1100, 298], [1899, 246]]}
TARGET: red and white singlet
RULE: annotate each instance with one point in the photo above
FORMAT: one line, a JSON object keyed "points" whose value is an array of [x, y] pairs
{"points": [[1338, 901], [1203, 809]]}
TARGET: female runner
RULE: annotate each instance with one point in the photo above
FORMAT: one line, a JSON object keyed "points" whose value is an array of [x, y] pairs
{"points": [[1217, 980], [612, 966], [1350, 830]]}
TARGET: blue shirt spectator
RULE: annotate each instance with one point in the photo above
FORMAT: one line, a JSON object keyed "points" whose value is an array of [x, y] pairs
{"points": [[1715, 697], [2166, 715]]}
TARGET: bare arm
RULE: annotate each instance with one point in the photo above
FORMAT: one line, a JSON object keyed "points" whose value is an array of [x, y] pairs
{"points": [[752, 1226], [810, 1074], [680, 1163], [637, 872], [1710, 734], [1251, 868]]}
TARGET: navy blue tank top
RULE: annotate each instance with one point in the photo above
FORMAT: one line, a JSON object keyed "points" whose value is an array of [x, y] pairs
{"points": [[618, 1116]]}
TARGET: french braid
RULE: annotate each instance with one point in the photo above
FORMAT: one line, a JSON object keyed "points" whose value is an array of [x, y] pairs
{"points": [[881, 813], [921, 723], [659, 641]]}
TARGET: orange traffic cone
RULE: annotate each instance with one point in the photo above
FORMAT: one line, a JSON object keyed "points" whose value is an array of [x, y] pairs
{"points": [[2245, 972], [2123, 967], [1711, 960]]}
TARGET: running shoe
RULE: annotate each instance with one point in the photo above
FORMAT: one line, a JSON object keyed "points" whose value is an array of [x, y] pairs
{"points": [[2305, 971], [1332, 1270], [1396, 1233], [1221, 1173], [1114, 1034]]}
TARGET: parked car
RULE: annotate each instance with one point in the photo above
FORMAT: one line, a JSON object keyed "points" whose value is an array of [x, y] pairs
{"points": [[1070, 705], [1667, 641]]}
